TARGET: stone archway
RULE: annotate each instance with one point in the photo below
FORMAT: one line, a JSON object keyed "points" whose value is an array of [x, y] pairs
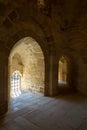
{"points": [[62, 71], [27, 57], [49, 57], [50, 89], [67, 74]]}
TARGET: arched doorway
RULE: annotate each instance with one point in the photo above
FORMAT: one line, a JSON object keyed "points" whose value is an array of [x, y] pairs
{"points": [[64, 75], [27, 58], [62, 71]]}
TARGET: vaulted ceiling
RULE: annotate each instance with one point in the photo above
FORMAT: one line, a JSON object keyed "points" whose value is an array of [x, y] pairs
{"points": [[66, 14], [67, 10]]}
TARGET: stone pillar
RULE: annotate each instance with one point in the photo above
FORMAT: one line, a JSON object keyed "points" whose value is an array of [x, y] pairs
{"points": [[53, 74], [3, 84], [47, 70]]}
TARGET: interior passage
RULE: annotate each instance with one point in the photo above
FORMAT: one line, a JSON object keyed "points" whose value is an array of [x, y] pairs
{"points": [[62, 71]]}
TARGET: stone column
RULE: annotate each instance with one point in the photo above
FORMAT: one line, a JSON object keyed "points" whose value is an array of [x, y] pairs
{"points": [[47, 70], [53, 74], [3, 84]]}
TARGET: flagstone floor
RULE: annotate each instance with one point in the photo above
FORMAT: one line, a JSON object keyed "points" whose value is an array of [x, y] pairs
{"points": [[32, 111]]}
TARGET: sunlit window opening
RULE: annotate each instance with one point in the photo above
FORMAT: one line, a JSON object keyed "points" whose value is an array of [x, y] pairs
{"points": [[62, 71], [15, 84]]}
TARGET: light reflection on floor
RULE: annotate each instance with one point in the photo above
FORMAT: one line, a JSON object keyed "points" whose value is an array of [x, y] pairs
{"points": [[15, 93]]}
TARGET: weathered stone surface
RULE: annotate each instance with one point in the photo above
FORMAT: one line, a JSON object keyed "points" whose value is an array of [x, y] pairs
{"points": [[27, 58], [64, 33], [2, 9], [7, 23], [12, 15]]}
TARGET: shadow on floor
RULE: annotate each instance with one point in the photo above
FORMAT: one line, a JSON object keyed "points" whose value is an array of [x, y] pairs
{"points": [[69, 94]]}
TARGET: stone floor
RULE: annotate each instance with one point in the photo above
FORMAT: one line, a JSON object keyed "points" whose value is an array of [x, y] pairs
{"points": [[33, 111]]}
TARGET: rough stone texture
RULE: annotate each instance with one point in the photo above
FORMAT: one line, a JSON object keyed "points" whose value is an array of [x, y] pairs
{"points": [[27, 58], [60, 29]]}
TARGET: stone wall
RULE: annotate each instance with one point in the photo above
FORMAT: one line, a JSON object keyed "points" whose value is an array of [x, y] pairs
{"points": [[28, 59], [60, 29]]}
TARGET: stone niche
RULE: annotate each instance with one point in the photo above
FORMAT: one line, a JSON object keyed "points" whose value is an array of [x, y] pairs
{"points": [[27, 58]]}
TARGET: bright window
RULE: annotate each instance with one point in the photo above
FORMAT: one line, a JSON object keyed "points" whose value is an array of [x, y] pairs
{"points": [[15, 84]]}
